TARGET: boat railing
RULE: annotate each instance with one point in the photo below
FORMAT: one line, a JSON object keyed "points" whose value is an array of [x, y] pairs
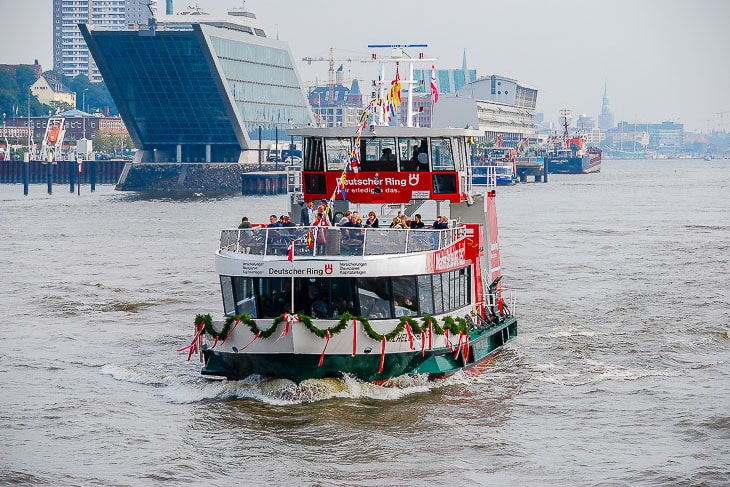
{"points": [[352, 241], [509, 301]]}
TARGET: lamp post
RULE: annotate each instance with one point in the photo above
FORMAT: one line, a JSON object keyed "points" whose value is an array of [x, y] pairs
{"points": [[7, 145], [83, 109], [291, 146]]}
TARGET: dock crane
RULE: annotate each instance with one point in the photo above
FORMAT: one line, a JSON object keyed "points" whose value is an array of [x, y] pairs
{"points": [[331, 74], [721, 114]]}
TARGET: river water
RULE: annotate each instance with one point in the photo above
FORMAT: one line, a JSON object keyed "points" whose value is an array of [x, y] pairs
{"points": [[620, 374]]}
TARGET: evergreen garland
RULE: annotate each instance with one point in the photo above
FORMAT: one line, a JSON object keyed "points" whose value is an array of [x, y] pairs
{"points": [[454, 325], [430, 320]]}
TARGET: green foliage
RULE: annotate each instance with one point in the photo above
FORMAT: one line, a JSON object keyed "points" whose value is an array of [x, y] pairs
{"points": [[454, 325], [107, 143], [7, 82]]}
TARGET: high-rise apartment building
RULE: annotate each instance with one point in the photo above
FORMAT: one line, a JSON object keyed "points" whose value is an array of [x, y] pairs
{"points": [[70, 53]]}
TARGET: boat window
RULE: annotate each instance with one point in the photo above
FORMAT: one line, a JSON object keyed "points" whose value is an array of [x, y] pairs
{"points": [[243, 290], [408, 150], [313, 156], [461, 154], [338, 152], [229, 307], [438, 293], [315, 184], [425, 294], [378, 154], [442, 157], [444, 183], [405, 296], [324, 298], [374, 297], [274, 296]]}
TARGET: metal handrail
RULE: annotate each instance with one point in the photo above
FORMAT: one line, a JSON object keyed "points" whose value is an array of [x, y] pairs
{"points": [[337, 240]]}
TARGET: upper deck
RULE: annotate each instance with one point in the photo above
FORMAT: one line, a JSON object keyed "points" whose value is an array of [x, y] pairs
{"points": [[386, 164], [325, 242]]}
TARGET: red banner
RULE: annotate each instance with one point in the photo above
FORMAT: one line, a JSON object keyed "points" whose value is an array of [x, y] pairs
{"points": [[494, 260]]}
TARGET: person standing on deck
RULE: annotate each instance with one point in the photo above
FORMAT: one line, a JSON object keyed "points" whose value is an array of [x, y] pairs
{"points": [[307, 216]]}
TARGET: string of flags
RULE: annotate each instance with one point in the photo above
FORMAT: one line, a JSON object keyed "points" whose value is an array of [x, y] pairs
{"points": [[390, 105]]}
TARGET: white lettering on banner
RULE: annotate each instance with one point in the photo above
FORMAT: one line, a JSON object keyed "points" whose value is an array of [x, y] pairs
{"points": [[451, 258]]}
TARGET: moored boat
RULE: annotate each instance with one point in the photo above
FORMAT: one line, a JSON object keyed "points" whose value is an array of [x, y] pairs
{"points": [[570, 154], [501, 162], [316, 301]]}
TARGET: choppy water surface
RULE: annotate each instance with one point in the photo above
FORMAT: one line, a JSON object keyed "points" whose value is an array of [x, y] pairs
{"points": [[619, 375]]}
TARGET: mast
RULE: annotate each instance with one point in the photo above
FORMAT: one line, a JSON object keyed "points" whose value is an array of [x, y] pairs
{"points": [[399, 54]]}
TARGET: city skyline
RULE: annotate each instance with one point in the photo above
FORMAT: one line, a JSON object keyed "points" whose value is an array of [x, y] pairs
{"points": [[661, 60]]}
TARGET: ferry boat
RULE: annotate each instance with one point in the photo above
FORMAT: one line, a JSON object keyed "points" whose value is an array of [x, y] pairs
{"points": [[570, 154], [308, 302], [499, 161]]}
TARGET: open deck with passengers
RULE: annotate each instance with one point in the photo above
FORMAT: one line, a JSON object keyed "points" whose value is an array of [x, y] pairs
{"points": [[321, 300]]}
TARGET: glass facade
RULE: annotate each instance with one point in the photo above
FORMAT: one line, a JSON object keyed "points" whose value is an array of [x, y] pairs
{"points": [[264, 86], [171, 97]]}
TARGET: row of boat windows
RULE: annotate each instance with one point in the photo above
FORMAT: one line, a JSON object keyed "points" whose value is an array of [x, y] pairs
{"points": [[386, 153], [329, 298]]}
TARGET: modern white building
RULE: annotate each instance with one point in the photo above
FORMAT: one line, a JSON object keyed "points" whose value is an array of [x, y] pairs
{"points": [[70, 53], [498, 106]]}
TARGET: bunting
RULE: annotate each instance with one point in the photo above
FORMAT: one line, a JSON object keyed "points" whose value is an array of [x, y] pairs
{"points": [[290, 252], [434, 87]]}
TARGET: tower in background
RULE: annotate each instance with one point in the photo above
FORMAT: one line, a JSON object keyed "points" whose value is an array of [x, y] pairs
{"points": [[605, 119]]}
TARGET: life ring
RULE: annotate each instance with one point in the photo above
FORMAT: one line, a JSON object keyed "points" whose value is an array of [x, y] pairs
{"points": [[53, 134]]}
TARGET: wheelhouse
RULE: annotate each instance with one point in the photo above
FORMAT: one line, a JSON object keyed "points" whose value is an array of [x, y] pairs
{"points": [[395, 164]]}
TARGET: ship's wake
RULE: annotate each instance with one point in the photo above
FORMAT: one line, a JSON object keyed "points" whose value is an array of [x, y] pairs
{"points": [[184, 388]]}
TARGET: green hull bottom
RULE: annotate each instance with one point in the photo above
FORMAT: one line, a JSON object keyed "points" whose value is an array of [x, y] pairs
{"points": [[365, 367]]}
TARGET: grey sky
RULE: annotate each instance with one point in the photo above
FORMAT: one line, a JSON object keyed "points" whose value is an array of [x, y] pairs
{"points": [[661, 59]]}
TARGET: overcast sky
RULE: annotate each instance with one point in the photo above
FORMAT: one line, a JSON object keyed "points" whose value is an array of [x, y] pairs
{"points": [[661, 59]]}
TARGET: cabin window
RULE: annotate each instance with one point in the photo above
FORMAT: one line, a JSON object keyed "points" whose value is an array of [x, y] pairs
{"points": [[425, 294], [313, 155], [243, 290], [444, 183], [338, 153], [315, 184], [405, 296], [461, 154], [227, 292], [374, 297], [329, 298], [378, 154], [238, 296], [442, 158], [409, 148], [274, 296]]}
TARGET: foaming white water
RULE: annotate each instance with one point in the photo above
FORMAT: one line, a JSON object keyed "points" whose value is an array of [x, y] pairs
{"points": [[596, 372], [185, 388]]}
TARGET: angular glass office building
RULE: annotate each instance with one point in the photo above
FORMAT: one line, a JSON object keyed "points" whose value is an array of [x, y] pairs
{"points": [[199, 88]]}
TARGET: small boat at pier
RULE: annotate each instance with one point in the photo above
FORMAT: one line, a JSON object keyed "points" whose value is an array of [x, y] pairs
{"points": [[498, 161]]}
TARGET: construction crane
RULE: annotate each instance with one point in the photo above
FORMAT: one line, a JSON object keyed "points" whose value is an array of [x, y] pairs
{"points": [[721, 114], [331, 75]]}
